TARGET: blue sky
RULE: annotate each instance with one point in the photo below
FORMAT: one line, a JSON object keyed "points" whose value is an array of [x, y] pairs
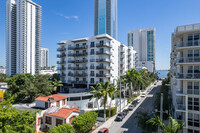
{"points": [[71, 19]]}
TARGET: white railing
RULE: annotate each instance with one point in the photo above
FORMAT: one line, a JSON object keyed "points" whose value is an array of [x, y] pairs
{"points": [[188, 59]]}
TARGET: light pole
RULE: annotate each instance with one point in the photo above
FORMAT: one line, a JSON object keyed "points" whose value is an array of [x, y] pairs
{"points": [[120, 95]]}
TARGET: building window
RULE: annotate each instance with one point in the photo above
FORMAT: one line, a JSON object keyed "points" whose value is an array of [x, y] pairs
{"points": [[40, 121], [193, 104], [48, 120], [101, 42], [59, 122], [92, 52], [84, 44], [196, 120], [196, 88], [190, 119], [90, 105], [189, 87], [63, 101], [92, 44], [92, 80], [92, 73]]}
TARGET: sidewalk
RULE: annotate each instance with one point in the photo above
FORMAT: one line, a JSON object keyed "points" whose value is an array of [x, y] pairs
{"points": [[110, 121]]}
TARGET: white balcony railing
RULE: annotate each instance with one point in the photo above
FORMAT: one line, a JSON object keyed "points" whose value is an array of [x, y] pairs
{"points": [[188, 60], [188, 76]]}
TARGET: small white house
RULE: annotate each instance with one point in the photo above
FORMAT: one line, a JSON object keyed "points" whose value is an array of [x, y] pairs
{"points": [[50, 101]]}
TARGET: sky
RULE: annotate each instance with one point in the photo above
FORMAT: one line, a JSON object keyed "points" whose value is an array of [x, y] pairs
{"points": [[72, 19]]}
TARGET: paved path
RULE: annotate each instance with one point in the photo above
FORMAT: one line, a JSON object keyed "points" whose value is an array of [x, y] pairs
{"points": [[129, 123]]}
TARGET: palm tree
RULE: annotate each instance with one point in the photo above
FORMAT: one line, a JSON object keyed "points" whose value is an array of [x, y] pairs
{"points": [[96, 93], [172, 127], [104, 92], [55, 84], [112, 91]]}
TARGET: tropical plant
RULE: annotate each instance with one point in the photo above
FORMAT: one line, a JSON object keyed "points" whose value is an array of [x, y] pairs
{"points": [[56, 84], [84, 123], [111, 92], [3, 77], [172, 127], [64, 128]]}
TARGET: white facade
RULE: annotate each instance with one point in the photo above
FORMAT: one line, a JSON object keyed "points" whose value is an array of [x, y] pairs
{"points": [[88, 61], [23, 37], [185, 76], [44, 57], [143, 42]]}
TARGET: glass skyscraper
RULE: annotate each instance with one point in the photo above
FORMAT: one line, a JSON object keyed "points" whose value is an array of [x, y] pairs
{"points": [[105, 17]]}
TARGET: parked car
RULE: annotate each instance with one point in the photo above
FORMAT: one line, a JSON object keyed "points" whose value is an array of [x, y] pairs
{"points": [[138, 101], [148, 90], [134, 102], [104, 130], [143, 94], [120, 117], [126, 111], [131, 107]]}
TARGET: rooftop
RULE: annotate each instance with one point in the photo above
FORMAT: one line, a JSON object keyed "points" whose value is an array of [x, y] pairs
{"points": [[64, 112], [54, 97]]}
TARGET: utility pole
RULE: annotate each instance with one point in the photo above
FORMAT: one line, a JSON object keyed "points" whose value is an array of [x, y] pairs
{"points": [[161, 107]]}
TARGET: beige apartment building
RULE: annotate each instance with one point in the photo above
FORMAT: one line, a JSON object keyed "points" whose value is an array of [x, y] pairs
{"points": [[185, 76]]}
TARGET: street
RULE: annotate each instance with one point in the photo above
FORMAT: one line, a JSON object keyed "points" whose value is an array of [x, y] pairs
{"points": [[129, 123]]}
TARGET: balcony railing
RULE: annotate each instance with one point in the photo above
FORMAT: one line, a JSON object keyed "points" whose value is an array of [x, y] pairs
{"points": [[181, 106], [78, 54], [61, 49], [103, 75], [103, 67], [103, 45], [80, 75], [103, 60], [188, 76], [77, 68], [61, 55], [79, 82], [78, 61], [188, 60], [103, 52], [194, 43], [62, 74], [61, 62], [61, 68], [92, 67], [77, 47]]}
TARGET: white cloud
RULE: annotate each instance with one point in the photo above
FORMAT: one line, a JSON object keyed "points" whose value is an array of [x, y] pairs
{"points": [[68, 17]]}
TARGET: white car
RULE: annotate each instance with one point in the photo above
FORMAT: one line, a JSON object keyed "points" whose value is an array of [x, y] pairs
{"points": [[143, 94]]}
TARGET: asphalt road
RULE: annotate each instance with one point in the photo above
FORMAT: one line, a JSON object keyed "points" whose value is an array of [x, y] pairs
{"points": [[129, 123]]}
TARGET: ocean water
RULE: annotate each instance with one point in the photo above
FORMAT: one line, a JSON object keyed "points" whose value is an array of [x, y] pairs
{"points": [[162, 73]]}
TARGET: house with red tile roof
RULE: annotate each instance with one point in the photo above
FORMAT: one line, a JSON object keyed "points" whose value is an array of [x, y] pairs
{"points": [[54, 115], [50, 101]]}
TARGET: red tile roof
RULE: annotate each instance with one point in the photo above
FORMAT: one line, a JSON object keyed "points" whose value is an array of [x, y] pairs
{"points": [[55, 97], [64, 112]]}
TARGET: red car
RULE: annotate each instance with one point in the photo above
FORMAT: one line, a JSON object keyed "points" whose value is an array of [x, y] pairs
{"points": [[103, 130]]}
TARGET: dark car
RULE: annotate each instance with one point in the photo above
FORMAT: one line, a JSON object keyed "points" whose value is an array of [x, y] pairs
{"points": [[104, 130], [134, 102], [126, 111], [120, 117]]}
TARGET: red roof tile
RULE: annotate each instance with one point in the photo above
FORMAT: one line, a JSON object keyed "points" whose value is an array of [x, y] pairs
{"points": [[55, 97], [64, 112]]}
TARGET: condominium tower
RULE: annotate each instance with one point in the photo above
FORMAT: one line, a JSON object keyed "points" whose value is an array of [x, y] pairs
{"points": [[185, 76], [87, 61], [143, 42], [105, 17], [44, 57], [23, 25]]}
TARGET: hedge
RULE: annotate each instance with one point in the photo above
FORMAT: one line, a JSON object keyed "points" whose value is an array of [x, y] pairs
{"points": [[113, 112]]}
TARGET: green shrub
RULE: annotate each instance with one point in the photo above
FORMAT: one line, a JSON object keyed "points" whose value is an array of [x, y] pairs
{"points": [[64, 128], [101, 112], [84, 123]]}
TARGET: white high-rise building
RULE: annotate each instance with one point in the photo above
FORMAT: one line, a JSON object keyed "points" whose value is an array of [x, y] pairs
{"points": [[23, 27], [44, 57], [87, 61], [143, 42], [185, 76]]}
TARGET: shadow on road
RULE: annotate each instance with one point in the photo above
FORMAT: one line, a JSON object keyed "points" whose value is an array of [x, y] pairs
{"points": [[147, 106]]}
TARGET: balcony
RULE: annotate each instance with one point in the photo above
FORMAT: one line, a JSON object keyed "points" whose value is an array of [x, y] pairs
{"points": [[103, 67], [92, 60], [79, 82], [103, 45], [78, 61], [61, 55], [188, 60], [78, 47], [121, 61], [122, 50], [181, 107], [61, 43], [188, 76], [78, 54], [122, 56], [103, 75], [122, 68], [92, 67], [63, 75], [77, 68], [61, 68], [80, 75], [103, 60], [61, 62], [103, 52], [62, 49], [195, 43]]}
